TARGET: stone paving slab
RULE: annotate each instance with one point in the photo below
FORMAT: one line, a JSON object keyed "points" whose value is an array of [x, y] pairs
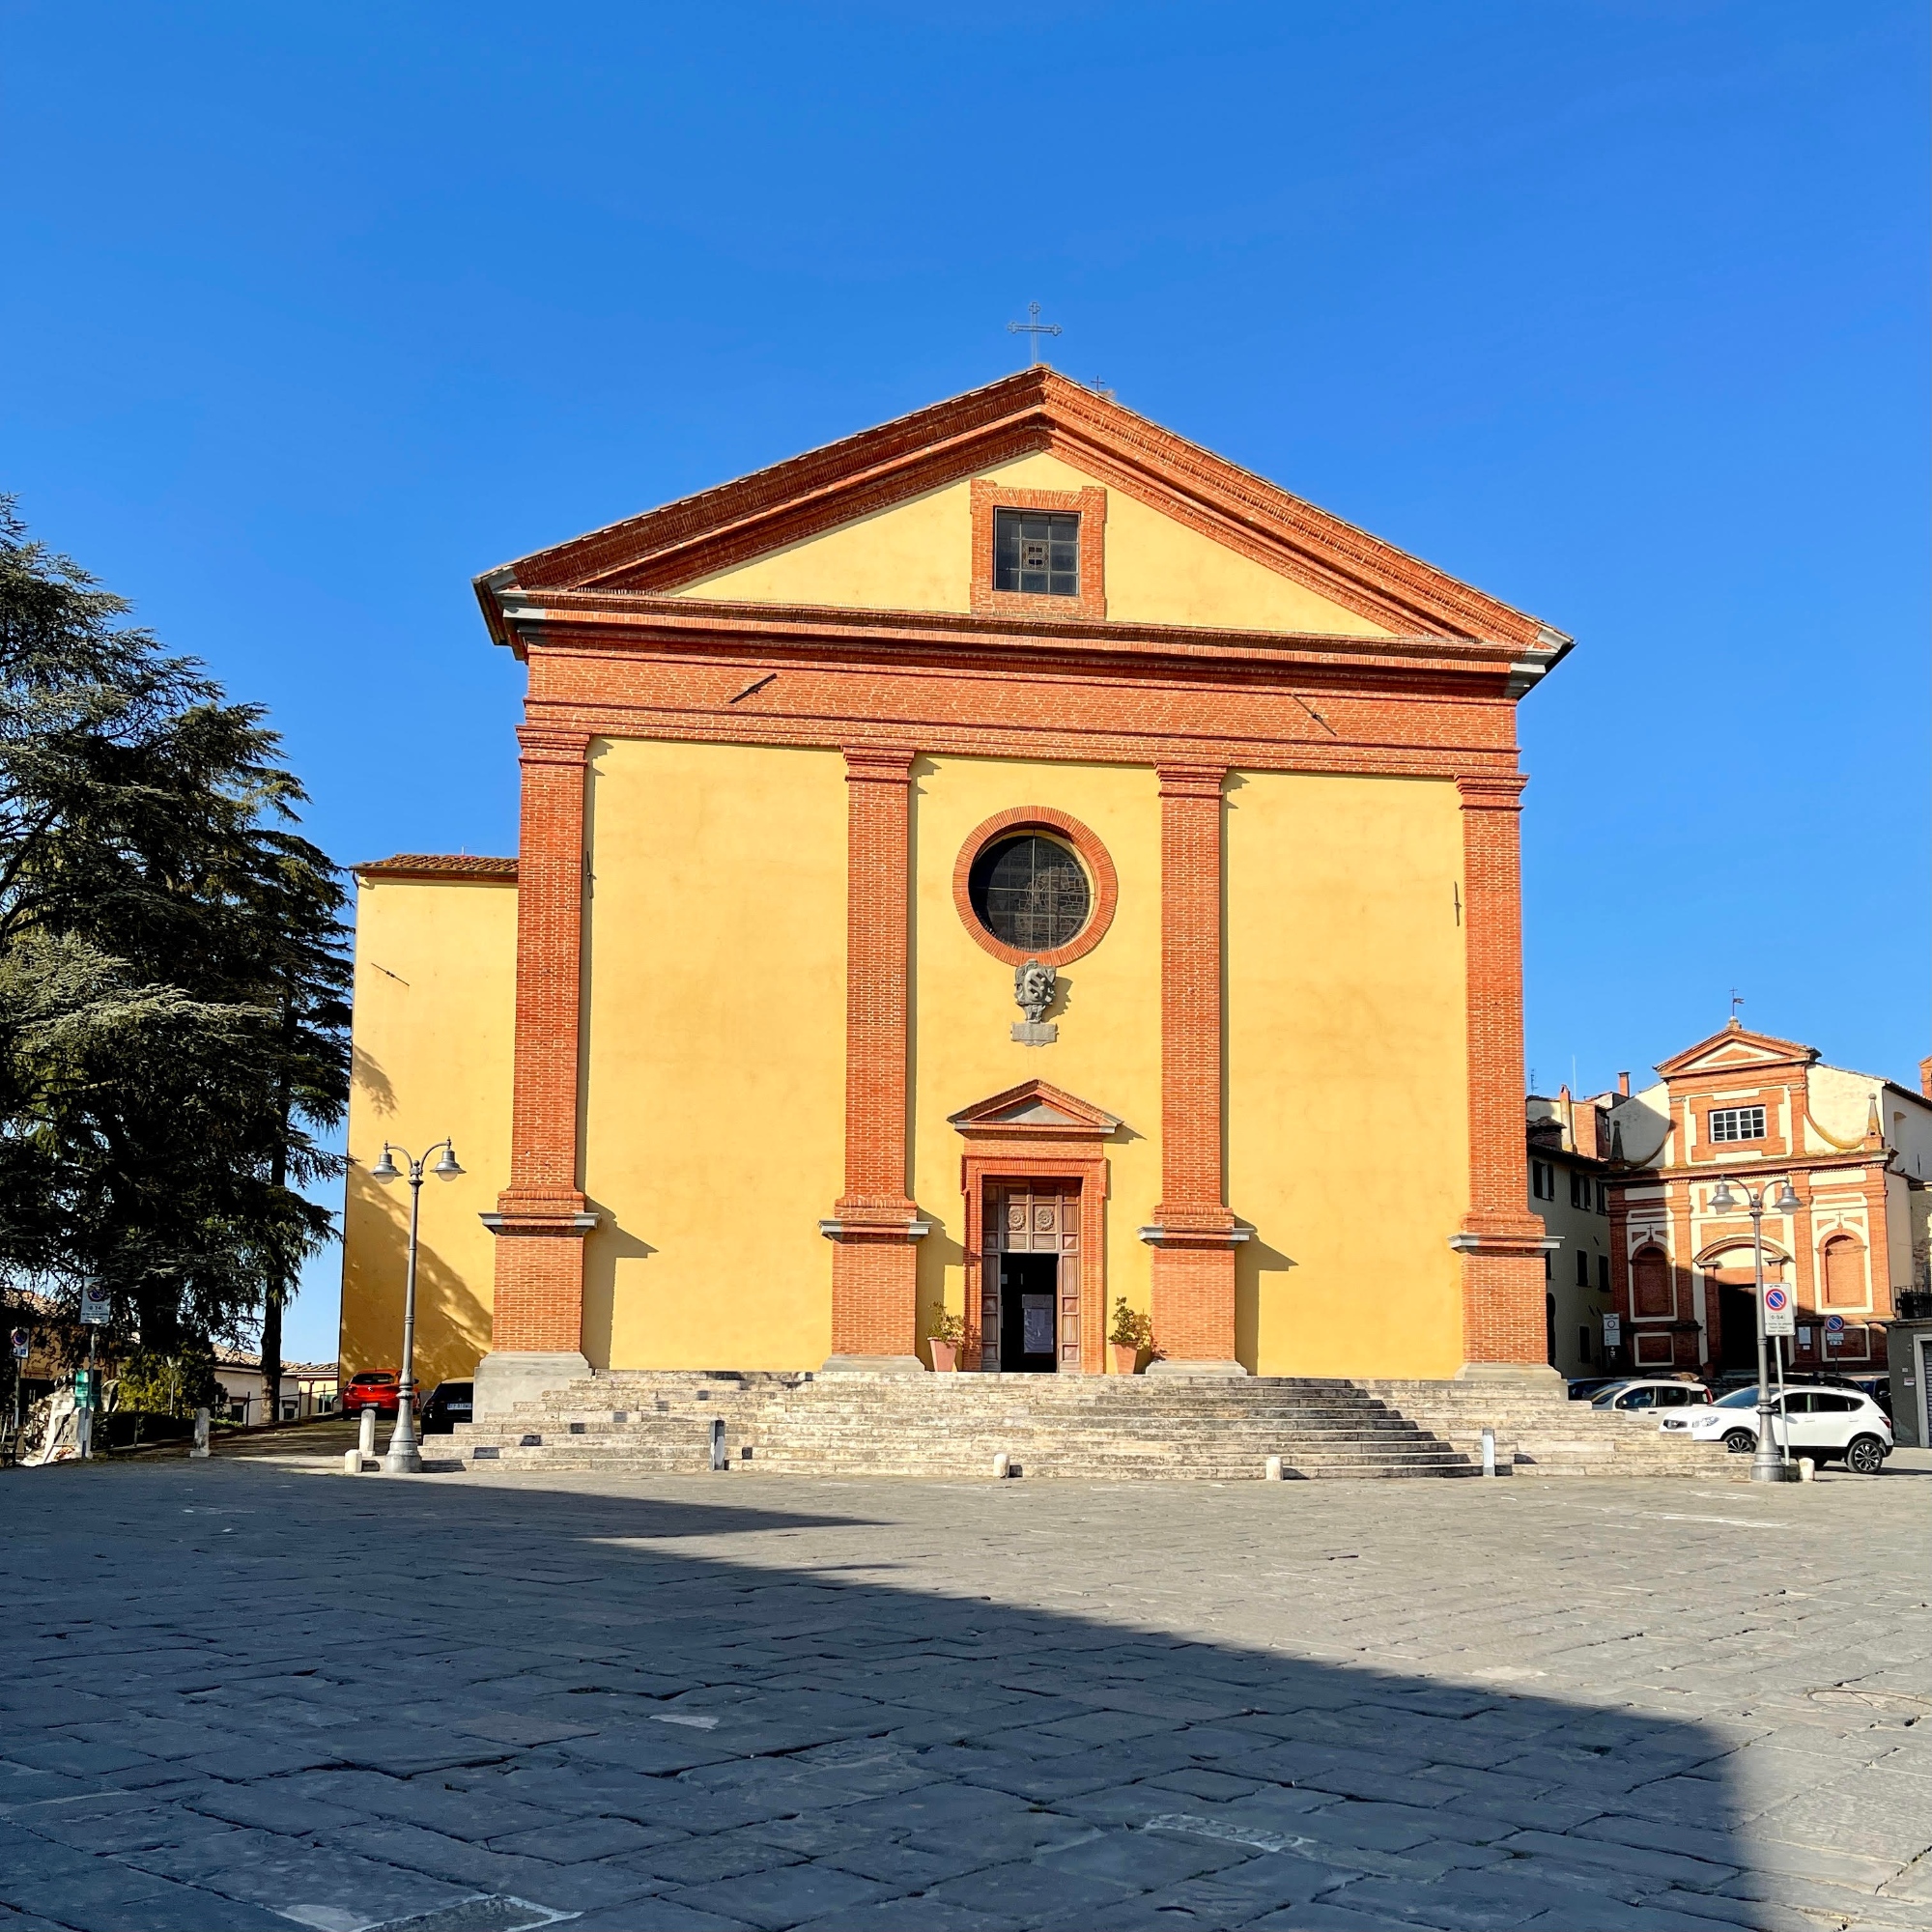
{"points": [[704, 1704]]}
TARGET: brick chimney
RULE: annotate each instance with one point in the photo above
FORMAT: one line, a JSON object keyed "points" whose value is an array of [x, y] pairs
{"points": [[1924, 1074]]}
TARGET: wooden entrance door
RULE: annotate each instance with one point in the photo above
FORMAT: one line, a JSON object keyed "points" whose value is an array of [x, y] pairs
{"points": [[1032, 1218]]}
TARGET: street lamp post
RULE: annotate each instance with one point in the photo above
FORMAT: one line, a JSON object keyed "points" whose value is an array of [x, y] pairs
{"points": [[405, 1456], [1771, 1464]]}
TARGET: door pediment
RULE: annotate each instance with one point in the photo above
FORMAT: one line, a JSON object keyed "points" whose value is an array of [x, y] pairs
{"points": [[1033, 1110]]}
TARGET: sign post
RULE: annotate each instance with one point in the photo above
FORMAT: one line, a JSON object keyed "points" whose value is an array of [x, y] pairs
{"points": [[97, 1311], [1613, 1332], [1834, 1331], [1780, 1317], [23, 1347]]}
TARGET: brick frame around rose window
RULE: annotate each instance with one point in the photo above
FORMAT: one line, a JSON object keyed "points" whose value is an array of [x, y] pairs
{"points": [[1104, 882], [1089, 505]]}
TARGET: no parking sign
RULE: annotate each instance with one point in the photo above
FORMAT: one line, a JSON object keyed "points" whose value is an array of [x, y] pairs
{"points": [[1834, 1330], [1780, 1317]]}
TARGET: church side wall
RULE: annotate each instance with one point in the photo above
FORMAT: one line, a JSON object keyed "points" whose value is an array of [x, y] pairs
{"points": [[714, 1086], [1108, 1013], [436, 966], [1347, 1126]]}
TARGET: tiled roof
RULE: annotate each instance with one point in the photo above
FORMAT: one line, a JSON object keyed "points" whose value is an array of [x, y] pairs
{"points": [[437, 866]]}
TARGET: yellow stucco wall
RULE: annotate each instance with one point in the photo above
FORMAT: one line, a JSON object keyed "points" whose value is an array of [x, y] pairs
{"points": [[714, 1093], [1348, 1135], [1108, 1013], [918, 556], [435, 1019]]}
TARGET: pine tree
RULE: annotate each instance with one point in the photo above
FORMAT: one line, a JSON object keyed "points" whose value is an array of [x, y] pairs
{"points": [[173, 974]]}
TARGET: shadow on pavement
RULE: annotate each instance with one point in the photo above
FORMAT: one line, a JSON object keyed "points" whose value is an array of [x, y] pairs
{"points": [[239, 1697]]}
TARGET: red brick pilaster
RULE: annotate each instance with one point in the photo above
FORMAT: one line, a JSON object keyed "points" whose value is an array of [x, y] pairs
{"points": [[1500, 1239], [541, 1215], [875, 1225], [1193, 1235]]}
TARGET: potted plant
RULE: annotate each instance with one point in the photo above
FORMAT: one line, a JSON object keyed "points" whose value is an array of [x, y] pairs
{"points": [[947, 1334], [1132, 1334]]}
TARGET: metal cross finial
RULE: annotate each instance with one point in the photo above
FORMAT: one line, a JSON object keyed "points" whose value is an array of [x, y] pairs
{"points": [[1737, 1000], [1032, 330]]}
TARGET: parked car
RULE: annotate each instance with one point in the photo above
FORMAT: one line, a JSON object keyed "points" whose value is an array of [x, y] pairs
{"points": [[1822, 1423], [380, 1389], [1583, 1387], [449, 1404], [1642, 1395]]}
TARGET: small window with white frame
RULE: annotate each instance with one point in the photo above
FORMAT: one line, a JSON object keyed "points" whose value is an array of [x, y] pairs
{"points": [[1737, 1124]]}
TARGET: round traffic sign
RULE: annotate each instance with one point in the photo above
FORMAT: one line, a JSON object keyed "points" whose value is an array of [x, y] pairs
{"points": [[1834, 1325], [1778, 1300]]}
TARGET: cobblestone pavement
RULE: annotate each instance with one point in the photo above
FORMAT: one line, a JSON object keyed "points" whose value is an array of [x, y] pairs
{"points": [[248, 1693]]}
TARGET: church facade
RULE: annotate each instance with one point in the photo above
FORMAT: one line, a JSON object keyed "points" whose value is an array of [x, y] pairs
{"points": [[1004, 864]]}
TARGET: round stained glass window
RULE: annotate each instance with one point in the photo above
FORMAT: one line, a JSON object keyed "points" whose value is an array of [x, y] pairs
{"points": [[1030, 892]]}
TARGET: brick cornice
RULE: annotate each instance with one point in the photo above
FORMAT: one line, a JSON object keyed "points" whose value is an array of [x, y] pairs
{"points": [[586, 620]]}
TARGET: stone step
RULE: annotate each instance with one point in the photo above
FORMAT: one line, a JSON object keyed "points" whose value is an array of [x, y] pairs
{"points": [[659, 1422]]}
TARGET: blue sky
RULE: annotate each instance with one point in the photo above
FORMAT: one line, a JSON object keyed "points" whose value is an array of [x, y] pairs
{"points": [[1616, 310]]}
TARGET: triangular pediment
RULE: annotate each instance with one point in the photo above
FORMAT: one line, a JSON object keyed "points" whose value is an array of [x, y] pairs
{"points": [[1034, 1107], [869, 520], [1736, 1049]]}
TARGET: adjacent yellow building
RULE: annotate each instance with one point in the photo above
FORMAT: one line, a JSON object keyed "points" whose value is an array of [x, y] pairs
{"points": [[973, 875]]}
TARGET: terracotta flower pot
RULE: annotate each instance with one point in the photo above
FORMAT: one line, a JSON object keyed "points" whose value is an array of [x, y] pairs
{"points": [[1126, 1359], [945, 1357]]}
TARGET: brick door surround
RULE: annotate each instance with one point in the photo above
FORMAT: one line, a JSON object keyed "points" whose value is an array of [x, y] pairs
{"points": [[1038, 1132]]}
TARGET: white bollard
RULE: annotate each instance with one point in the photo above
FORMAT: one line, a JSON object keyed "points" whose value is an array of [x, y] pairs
{"points": [[1272, 1473], [351, 1461], [1488, 1452], [200, 1432], [1002, 1466], [367, 1445], [1807, 1469]]}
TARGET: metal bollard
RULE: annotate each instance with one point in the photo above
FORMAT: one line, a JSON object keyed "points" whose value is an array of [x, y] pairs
{"points": [[1272, 1470], [1488, 1452], [366, 1443], [1002, 1466], [200, 1432], [720, 1457]]}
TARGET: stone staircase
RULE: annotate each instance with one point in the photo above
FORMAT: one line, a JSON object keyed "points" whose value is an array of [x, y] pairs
{"points": [[665, 1422]]}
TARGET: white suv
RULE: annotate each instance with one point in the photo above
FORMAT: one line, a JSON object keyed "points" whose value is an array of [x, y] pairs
{"points": [[1816, 1422], [1633, 1395]]}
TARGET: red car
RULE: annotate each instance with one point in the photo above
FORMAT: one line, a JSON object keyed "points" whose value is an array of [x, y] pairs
{"points": [[378, 1389]]}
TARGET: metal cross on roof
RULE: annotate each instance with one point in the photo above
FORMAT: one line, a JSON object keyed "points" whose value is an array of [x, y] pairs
{"points": [[1032, 330]]}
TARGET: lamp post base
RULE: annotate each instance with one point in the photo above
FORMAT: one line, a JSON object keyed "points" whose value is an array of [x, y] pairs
{"points": [[1773, 1468], [403, 1461]]}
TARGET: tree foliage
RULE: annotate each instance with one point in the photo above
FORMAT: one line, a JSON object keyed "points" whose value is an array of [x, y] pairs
{"points": [[173, 973]]}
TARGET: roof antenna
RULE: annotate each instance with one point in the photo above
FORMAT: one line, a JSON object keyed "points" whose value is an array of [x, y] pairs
{"points": [[1032, 330]]}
